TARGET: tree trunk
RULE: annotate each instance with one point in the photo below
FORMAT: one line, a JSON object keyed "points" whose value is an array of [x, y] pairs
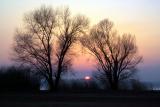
{"points": [[57, 81], [51, 84], [58, 77], [114, 87], [113, 83]]}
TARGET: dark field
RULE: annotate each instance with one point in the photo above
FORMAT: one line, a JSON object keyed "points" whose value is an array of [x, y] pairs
{"points": [[74, 99]]}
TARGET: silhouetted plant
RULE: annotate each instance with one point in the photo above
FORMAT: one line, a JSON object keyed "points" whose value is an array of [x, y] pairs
{"points": [[69, 30], [116, 55], [18, 79], [45, 30], [139, 86], [34, 46]]}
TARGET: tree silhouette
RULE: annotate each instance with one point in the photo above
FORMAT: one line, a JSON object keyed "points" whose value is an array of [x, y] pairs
{"points": [[69, 29], [34, 46], [47, 41], [116, 55]]}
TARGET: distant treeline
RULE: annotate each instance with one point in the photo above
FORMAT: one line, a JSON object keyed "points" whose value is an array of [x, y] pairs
{"points": [[18, 79], [22, 79]]}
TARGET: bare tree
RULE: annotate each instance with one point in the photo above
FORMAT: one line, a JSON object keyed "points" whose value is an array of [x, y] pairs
{"points": [[34, 45], [116, 55], [69, 30], [48, 41]]}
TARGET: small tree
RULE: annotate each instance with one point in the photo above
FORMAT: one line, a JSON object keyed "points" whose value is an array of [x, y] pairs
{"points": [[116, 55]]}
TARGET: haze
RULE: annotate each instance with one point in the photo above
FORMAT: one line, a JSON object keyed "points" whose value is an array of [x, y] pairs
{"points": [[139, 17]]}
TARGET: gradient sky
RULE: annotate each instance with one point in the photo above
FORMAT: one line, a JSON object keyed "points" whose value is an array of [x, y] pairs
{"points": [[139, 17]]}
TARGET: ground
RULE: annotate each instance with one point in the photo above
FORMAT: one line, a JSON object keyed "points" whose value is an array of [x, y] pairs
{"points": [[74, 99]]}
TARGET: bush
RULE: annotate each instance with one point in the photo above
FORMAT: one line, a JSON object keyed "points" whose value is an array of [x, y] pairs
{"points": [[138, 86], [17, 79], [135, 85]]}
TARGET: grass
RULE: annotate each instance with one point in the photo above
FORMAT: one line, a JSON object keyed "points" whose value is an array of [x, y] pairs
{"points": [[81, 99]]}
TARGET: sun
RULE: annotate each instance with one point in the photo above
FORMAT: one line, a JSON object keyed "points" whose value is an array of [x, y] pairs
{"points": [[87, 77]]}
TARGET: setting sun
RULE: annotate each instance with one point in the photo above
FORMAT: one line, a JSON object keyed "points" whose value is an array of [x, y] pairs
{"points": [[87, 77]]}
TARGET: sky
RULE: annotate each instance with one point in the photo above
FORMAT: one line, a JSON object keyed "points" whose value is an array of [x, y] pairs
{"points": [[138, 17]]}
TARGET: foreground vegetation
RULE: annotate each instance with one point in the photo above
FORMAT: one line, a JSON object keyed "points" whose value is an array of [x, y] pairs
{"points": [[18, 79]]}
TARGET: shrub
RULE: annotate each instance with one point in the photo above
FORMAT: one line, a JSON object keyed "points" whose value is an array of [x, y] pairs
{"points": [[17, 79]]}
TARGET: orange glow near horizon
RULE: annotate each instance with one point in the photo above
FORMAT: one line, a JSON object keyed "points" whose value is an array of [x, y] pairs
{"points": [[138, 17]]}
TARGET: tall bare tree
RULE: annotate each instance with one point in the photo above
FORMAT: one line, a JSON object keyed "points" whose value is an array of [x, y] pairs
{"points": [[116, 55], [34, 45], [48, 41], [69, 29]]}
